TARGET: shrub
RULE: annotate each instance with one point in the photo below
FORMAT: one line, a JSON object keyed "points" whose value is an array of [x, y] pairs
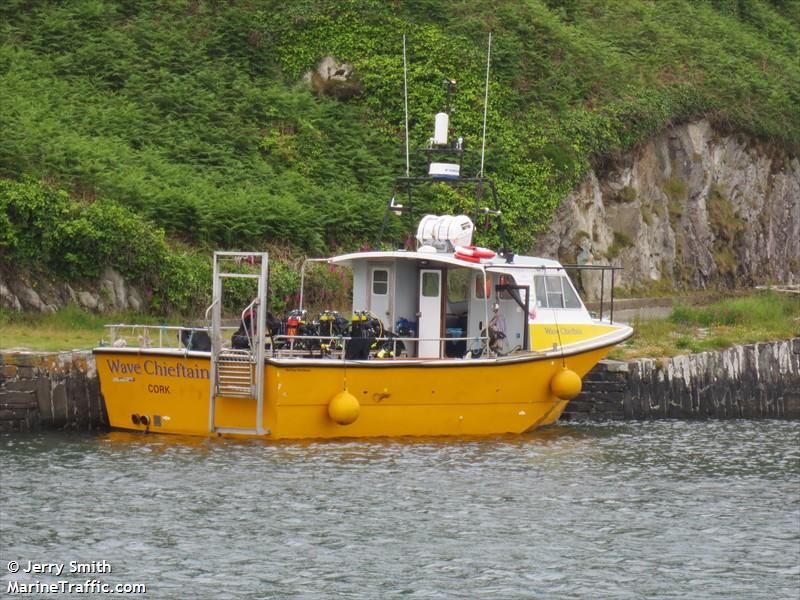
{"points": [[77, 240]]}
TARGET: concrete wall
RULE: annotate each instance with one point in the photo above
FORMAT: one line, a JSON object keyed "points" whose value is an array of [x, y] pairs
{"points": [[58, 391], [750, 381]]}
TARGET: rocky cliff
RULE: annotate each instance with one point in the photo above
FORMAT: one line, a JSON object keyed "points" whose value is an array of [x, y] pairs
{"points": [[690, 209], [23, 291]]}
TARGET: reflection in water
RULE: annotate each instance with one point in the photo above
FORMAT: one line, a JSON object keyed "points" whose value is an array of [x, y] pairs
{"points": [[639, 510]]}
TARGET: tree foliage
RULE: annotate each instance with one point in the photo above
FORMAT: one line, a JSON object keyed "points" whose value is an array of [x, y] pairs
{"points": [[192, 115], [43, 227]]}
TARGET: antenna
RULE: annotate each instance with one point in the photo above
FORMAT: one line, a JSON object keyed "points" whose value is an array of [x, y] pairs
{"points": [[405, 98], [486, 101]]}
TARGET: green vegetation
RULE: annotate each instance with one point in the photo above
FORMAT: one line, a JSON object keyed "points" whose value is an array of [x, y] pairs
{"points": [[726, 226], [621, 241], [626, 194], [765, 316], [178, 127], [676, 190], [647, 214], [76, 239]]}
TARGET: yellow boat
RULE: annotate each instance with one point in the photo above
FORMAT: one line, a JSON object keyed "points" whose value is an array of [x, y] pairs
{"points": [[483, 342], [454, 376]]}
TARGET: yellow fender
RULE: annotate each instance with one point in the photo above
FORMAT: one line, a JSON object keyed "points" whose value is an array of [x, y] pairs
{"points": [[566, 384], [344, 408]]}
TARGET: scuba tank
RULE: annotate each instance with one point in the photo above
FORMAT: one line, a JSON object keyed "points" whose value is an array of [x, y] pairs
{"points": [[331, 324], [294, 320]]}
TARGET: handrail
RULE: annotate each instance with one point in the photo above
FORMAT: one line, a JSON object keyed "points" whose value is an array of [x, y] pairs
{"points": [[241, 318], [482, 339], [504, 267], [601, 268], [167, 327], [322, 339], [290, 338], [116, 332], [399, 338], [208, 310]]}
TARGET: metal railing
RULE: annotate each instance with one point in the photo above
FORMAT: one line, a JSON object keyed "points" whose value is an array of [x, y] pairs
{"points": [[601, 268], [123, 335], [335, 347], [283, 346]]}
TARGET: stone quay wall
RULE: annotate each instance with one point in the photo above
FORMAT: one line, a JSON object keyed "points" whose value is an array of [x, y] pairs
{"points": [[749, 381], [60, 391], [53, 391]]}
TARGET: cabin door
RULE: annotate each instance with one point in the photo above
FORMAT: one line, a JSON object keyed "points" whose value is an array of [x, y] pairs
{"points": [[380, 294], [430, 313]]}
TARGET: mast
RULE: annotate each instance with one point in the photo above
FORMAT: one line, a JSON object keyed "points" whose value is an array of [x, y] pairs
{"points": [[442, 170], [405, 101], [486, 102]]}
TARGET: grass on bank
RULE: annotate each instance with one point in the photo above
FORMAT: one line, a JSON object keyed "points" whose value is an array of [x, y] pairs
{"points": [[760, 317], [68, 329]]}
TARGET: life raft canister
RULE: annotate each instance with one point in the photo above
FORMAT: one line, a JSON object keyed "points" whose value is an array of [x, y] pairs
{"points": [[473, 254]]}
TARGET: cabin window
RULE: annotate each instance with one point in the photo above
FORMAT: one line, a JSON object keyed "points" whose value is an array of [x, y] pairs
{"points": [[555, 291], [505, 280], [457, 285], [571, 299], [541, 296], [430, 284], [483, 290], [380, 282]]}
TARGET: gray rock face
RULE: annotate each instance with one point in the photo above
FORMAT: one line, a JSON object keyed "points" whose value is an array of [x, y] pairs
{"points": [[692, 208], [333, 78], [27, 296], [39, 294], [134, 299], [87, 300], [330, 69], [115, 288], [7, 298]]}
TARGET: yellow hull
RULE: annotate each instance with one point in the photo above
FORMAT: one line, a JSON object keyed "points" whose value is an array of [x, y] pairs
{"points": [[550, 336], [442, 398]]}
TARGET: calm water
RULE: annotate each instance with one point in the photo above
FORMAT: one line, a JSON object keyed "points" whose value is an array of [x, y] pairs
{"points": [[635, 510]]}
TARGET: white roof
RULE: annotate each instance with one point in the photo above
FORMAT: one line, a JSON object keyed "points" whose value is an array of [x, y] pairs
{"points": [[448, 258]]}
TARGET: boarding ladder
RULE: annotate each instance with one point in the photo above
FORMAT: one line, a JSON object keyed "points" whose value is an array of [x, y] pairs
{"points": [[235, 375], [238, 373]]}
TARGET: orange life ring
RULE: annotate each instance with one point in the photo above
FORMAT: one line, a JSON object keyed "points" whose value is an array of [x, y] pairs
{"points": [[473, 253], [464, 257]]}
